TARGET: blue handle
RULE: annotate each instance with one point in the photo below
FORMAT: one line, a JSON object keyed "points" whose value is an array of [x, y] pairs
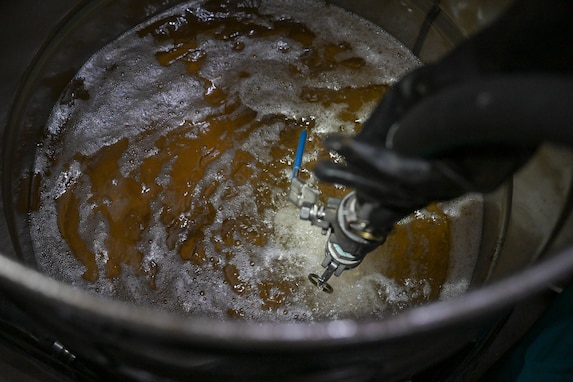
{"points": [[299, 152]]}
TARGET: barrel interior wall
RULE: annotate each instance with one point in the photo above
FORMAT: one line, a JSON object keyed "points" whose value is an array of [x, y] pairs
{"points": [[539, 206], [471, 15]]}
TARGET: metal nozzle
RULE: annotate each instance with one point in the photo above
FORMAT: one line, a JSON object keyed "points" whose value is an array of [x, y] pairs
{"points": [[321, 281], [349, 236]]}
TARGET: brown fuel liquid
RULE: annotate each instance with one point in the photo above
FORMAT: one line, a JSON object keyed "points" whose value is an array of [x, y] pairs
{"points": [[165, 171]]}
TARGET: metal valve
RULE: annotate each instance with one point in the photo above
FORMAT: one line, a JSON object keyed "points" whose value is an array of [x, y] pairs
{"points": [[350, 237]]}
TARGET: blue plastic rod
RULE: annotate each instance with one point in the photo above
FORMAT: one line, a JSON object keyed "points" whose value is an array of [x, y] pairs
{"points": [[299, 152]]}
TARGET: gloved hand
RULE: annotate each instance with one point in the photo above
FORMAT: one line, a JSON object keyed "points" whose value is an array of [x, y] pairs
{"points": [[465, 123]]}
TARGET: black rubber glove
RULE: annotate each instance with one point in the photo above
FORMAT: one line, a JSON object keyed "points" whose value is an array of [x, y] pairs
{"points": [[467, 122]]}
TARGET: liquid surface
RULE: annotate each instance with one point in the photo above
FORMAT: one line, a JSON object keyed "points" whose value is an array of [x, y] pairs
{"points": [[164, 176]]}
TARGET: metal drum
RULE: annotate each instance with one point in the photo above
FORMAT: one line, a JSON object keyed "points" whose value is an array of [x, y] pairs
{"points": [[522, 230]]}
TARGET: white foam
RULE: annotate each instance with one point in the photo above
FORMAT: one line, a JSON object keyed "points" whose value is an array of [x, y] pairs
{"points": [[133, 97]]}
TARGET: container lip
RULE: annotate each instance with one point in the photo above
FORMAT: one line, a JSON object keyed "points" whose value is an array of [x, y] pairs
{"points": [[236, 335], [66, 300]]}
